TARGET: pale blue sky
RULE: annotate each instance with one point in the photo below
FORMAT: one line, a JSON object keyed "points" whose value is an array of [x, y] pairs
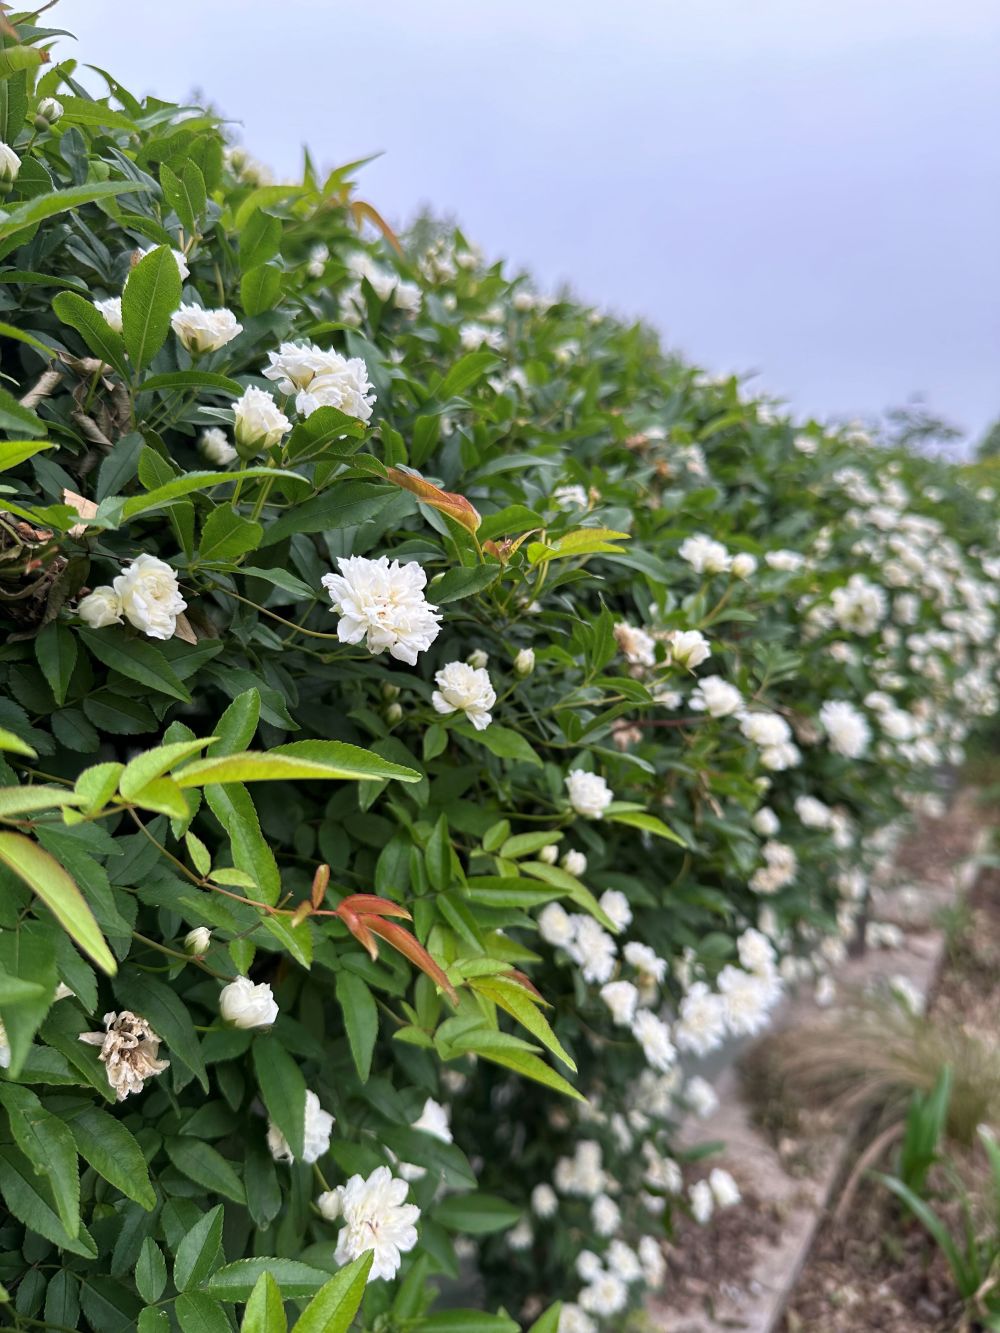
{"points": [[810, 188]]}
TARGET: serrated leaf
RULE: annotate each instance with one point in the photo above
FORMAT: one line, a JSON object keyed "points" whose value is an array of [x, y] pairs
{"points": [[49, 1146], [199, 1252], [151, 295], [111, 1150], [360, 1013], [334, 1306], [282, 1089], [46, 877], [235, 1281], [265, 1312]]}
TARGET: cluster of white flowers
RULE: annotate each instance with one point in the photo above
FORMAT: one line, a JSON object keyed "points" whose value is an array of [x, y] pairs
{"points": [[321, 378], [780, 868], [716, 697], [705, 555], [145, 593], [846, 728]]}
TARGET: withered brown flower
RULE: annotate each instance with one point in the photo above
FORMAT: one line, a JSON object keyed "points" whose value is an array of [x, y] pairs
{"points": [[128, 1051]]}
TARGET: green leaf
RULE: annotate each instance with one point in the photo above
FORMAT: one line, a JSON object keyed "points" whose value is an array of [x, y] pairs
{"points": [[13, 452], [502, 742], [283, 1090], [260, 241], [185, 194], [191, 379], [238, 724], [151, 764], [334, 1306], [197, 481], [23, 800], [459, 583], [201, 1163], [109, 1147], [227, 534], [265, 1312], [151, 295], [96, 785], [466, 1321], [235, 1281], [42, 873], [14, 417], [233, 807], [477, 1214], [466, 371], [151, 1271], [14, 745], [16, 60], [511, 1053], [61, 201], [648, 824], [93, 328], [48, 1144], [518, 1002], [30, 1200], [521, 844], [360, 1019], [135, 659], [343, 506], [327, 760], [199, 1252], [153, 1320], [260, 288], [197, 1313], [549, 1321]]}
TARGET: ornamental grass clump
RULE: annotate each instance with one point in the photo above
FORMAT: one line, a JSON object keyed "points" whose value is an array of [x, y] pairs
{"points": [[432, 720]]}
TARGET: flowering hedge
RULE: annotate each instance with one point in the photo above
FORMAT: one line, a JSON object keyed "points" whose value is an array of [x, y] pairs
{"points": [[433, 720]]}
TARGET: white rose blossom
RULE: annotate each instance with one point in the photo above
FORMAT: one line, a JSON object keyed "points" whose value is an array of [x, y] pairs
{"points": [[622, 999], [376, 1218], [318, 1130], [704, 555], [100, 608], [204, 330], [466, 689], [149, 595], [847, 729], [744, 565], [110, 309], [382, 602], [216, 447], [524, 662], [258, 421], [616, 906], [544, 1201], [689, 648], [716, 697], [588, 793], [246, 1005], [51, 109], [10, 163], [574, 863], [198, 940], [638, 647]]}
